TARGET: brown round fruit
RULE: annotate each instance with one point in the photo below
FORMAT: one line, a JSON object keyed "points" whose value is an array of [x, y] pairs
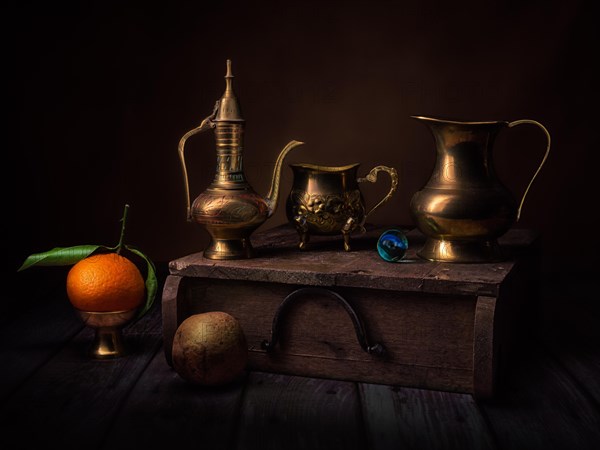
{"points": [[105, 282], [210, 349]]}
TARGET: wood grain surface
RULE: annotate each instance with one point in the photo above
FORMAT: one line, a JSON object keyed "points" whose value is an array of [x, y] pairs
{"points": [[54, 395]]}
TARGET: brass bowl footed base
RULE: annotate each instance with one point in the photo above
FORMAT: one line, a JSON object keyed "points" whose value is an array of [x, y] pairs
{"points": [[108, 340], [461, 251]]}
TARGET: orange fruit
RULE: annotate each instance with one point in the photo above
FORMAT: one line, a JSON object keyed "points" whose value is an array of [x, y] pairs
{"points": [[105, 282], [210, 349]]}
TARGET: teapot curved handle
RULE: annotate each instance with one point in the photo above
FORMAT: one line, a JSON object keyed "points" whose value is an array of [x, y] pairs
{"points": [[206, 124], [372, 178], [532, 122]]}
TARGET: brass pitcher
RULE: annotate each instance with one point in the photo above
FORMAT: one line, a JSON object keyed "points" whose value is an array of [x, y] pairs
{"points": [[464, 207], [229, 209], [327, 200]]}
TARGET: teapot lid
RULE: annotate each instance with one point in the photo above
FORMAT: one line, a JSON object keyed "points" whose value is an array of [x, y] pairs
{"points": [[229, 108]]}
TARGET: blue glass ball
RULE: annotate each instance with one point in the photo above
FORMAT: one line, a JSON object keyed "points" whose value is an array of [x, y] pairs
{"points": [[392, 245]]}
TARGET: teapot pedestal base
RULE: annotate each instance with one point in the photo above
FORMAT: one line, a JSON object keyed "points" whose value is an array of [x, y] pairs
{"points": [[461, 251], [229, 249]]}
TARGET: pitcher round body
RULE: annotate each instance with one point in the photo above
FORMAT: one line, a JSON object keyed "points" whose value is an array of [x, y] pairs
{"points": [[464, 208], [327, 200]]}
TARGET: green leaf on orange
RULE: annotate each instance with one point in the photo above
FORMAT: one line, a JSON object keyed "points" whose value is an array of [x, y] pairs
{"points": [[151, 281], [60, 256]]}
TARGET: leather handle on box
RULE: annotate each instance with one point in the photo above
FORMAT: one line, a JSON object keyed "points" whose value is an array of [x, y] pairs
{"points": [[269, 345]]}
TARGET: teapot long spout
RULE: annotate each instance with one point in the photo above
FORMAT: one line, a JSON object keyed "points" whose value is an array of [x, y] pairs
{"points": [[273, 195]]}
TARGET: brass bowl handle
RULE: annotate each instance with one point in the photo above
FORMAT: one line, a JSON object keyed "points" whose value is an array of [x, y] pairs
{"points": [[372, 178], [206, 124], [269, 345], [533, 122]]}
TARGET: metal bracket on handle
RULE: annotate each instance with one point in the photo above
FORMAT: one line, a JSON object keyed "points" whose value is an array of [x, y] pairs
{"points": [[372, 349]]}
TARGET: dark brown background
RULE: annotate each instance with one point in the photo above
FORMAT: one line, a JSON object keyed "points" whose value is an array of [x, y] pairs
{"points": [[100, 95]]}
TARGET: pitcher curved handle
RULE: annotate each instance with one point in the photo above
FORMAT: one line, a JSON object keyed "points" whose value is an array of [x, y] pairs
{"points": [[372, 178], [532, 122], [206, 124]]}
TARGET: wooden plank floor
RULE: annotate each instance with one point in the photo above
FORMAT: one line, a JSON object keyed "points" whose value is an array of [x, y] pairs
{"points": [[53, 395]]}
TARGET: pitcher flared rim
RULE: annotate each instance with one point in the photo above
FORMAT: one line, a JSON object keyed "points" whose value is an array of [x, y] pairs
{"points": [[322, 168], [458, 122]]}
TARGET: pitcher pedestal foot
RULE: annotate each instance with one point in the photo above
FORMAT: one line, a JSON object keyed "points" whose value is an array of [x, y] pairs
{"points": [[461, 251]]}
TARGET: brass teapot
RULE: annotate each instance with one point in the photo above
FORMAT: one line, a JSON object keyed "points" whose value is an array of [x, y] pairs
{"points": [[229, 209], [463, 208]]}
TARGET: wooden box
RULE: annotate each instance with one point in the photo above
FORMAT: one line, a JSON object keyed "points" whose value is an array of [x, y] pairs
{"points": [[441, 326]]}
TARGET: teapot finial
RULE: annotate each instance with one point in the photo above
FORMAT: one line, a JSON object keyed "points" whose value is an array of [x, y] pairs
{"points": [[228, 79], [229, 108]]}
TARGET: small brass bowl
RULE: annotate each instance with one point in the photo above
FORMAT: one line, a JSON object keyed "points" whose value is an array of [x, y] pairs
{"points": [[327, 200], [108, 341]]}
